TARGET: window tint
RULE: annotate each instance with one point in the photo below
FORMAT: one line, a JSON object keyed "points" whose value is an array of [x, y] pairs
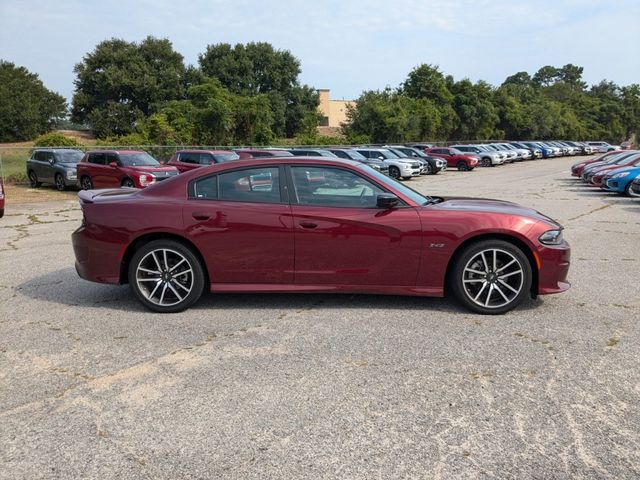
{"points": [[251, 185], [205, 188], [333, 187], [97, 158], [219, 157], [39, 156], [189, 157], [111, 157]]}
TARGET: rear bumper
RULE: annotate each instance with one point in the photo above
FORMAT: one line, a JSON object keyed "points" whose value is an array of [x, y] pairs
{"points": [[96, 260]]}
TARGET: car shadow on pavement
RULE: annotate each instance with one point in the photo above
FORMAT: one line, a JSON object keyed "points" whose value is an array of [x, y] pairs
{"points": [[65, 287]]}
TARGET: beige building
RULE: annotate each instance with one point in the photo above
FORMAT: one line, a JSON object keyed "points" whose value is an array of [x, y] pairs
{"points": [[334, 112]]}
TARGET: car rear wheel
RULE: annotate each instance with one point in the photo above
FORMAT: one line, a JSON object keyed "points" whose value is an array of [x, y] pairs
{"points": [[486, 162], [86, 183], [33, 180], [627, 190], [462, 166], [491, 277], [166, 276], [59, 183], [127, 182], [394, 172]]}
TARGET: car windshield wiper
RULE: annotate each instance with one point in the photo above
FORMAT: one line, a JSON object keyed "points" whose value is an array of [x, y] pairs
{"points": [[432, 201]]}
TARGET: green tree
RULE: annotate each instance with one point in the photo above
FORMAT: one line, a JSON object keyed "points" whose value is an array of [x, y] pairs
{"points": [[474, 109], [27, 107], [126, 79]]}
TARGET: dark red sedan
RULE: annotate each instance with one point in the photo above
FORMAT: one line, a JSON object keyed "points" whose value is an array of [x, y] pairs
{"points": [[314, 225], [185, 160], [121, 168], [454, 157]]}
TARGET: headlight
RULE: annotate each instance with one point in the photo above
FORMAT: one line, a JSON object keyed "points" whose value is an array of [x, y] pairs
{"points": [[71, 174], [551, 237], [620, 175], [146, 179]]}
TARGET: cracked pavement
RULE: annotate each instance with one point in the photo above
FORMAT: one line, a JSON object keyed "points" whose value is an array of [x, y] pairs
{"points": [[326, 386]]}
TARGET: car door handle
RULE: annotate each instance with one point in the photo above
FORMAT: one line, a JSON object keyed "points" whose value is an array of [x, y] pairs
{"points": [[307, 224], [200, 216]]}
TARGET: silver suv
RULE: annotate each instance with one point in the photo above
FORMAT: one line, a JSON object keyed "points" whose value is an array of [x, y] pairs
{"points": [[399, 168]]}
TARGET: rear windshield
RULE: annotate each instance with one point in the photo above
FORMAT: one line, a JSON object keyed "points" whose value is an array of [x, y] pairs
{"points": [[137, 159], [70, 156], [226, 157]]}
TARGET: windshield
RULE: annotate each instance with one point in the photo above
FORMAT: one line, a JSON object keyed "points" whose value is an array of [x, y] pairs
{"points": [[69, 156], [137, 159], [388, 154], [396, 185], [226, 157], [355, 155]]}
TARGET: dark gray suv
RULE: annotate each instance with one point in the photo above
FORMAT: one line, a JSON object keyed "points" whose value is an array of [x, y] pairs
{"points": [[53, 165]]}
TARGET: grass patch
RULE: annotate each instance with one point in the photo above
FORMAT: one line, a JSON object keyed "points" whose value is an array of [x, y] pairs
{"points": [[14, 164]]}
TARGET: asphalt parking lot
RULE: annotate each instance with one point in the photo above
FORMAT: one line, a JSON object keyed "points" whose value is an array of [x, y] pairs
{"points": [[326, 386]]}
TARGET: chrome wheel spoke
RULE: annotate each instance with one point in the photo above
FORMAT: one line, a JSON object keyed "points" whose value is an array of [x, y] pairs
{"points": [[155, 259], [477, 272], [508, 286], [177, 265], [178, 284], [506, 299], [146, 270], [474, 280], [481, 290], [486, 303], [164, 290], [155, 289], [175, 292], [510, 274], [505, 266]]}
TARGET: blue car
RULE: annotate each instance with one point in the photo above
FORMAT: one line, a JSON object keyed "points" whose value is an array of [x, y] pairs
{"points": [[547, 151], [619, 180]]}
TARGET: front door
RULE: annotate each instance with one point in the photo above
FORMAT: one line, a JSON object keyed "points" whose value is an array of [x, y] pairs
{"points": [[343, 238], [241, 222]]}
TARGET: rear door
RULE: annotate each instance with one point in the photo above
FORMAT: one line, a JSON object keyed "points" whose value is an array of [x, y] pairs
{"points": [[241, 222], [342, 238]]}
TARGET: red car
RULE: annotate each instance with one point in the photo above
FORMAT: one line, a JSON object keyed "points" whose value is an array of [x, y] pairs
{"points": [[1, 198], [314, 225], [577, 168], [454, 157], [185, 160], [124, 168], [596, 179]]}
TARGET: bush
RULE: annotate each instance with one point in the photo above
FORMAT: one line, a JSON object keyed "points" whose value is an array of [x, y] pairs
{"points": [[55, 139]]}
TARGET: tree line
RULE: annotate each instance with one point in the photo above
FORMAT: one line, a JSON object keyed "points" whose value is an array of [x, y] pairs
{"points": [[554, 103], [136, 93]]}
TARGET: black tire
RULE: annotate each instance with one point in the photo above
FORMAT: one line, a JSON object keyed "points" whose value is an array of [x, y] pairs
{"points": [[33, 180], [58, 181], [86, 183], [505, 251], [627, 190], [428, 169], [462, 166], [486, 162], [128, 183], [394, 172], [198, 277]]}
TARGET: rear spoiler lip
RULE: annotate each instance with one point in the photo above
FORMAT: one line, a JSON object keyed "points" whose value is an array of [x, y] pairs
{"points": [[88, 196]]}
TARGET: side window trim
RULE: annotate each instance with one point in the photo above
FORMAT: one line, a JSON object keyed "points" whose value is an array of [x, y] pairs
{"points": [[284, 191]]}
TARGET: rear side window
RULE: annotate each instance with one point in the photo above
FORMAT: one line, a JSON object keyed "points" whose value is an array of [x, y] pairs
{"points": [[260, 185], [189, 157], [205, 188], [97, 158]]}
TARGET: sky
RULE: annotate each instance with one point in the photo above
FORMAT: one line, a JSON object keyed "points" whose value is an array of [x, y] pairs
{"points": [[347, 46]]}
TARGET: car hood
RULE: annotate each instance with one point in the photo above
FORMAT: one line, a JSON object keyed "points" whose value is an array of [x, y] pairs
{"points": [[67, 164], [482, 205], [615, 171], [152, 168]]}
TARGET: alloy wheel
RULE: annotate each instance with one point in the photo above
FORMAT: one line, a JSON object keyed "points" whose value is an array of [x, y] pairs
{"points": [[164, 277], [493, 278], [33, 180], [86, 183], [60, 186]]}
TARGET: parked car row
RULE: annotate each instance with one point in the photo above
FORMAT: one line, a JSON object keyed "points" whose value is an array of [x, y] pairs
{"points": [[66, 167], [617, 171]]}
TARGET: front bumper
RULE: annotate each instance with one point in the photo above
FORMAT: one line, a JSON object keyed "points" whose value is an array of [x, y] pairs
{"points": [[554, 268]]}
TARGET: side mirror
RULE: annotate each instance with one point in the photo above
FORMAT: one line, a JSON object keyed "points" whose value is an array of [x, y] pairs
{"points": [[387, 200], [52, 161], [113, 164]]}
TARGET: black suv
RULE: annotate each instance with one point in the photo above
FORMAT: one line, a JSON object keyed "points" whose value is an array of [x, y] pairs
{"points": [[53, 165]]}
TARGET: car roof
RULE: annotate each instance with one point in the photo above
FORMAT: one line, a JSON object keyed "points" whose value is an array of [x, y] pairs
{"points": [[117, 151], [199, 150]]}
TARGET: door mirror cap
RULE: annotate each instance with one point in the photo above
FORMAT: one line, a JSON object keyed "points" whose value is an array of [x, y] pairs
{"points": [[113, 164], [387, 200]]}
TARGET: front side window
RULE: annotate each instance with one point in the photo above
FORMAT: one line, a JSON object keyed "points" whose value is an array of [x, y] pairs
{"points": [[137, 159], [252, 185], [333, 187], [69, 156], [97, 158]]}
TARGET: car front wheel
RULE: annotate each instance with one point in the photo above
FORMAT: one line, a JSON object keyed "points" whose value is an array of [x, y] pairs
{"points": [[128, 183], [86, 183], [462, 166], [59, 182], [394, 172], [491, 277], [486, 162], [166, 276], [33, 180]]}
